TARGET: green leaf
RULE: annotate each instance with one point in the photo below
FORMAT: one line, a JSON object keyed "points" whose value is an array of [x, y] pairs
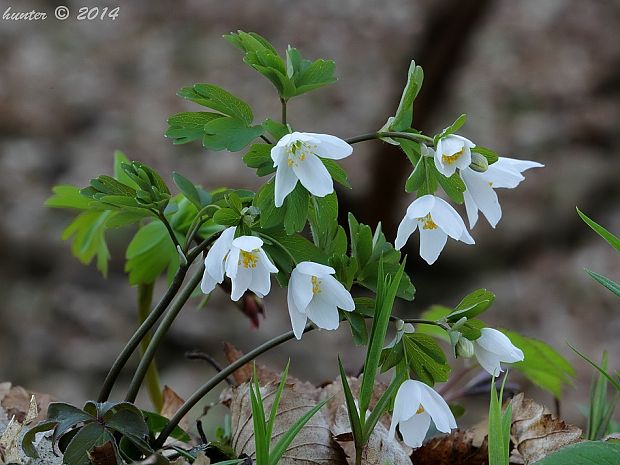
{"points": [[119, 173], [188, 126], [601, 409], [261, 440], [429, 184], [358, 327], [90, 436], [614, 383], [404, 113], [318, 74], [415, 180], [323, 216], [608, 283], [499, 428], [489, 154], [354, 416], [128, 422], [156, 424], [276, 401], [270, 215], [66, 196], [226, 217], [472, 305], [613, 240], [458, 123], [87, 232], [300, 248], [259, 157], [585, 453], [218, 99], [230, 134], [453, 186], [425, 358], [150, 253], [336, 172], [187, 188], [275, 128], [542, 364], [29, 437], [296, 209]]}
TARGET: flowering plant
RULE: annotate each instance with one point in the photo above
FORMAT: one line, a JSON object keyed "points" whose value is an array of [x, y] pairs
{"points": [[236, 239]]}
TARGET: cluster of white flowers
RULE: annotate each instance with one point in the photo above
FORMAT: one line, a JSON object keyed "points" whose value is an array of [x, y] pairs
{"points": [[437, 219], [315, 294]]}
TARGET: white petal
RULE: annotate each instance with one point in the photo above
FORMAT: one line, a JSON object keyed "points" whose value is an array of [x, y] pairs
{"points": [[496, 342], [331, 146], [471, 208], [300, 289], [232, 262], [466, 237], [314, 269], [240, 282], [208, 283], [279, 155], [485, 197], [314, 176], [414, 430], [406, 404], [298, 319], [261, 280], [267, 263], [449, 146], [286, 180], [322, 313], [518, 165], [248, 243], [335, 292], [447, 218], [437, 408], [214, 262], [421, 206], [487, 360], [405, 229], [432, 242]]}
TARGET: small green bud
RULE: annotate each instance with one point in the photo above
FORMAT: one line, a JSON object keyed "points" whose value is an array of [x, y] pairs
{"points": [[479, 162], [464, 348]]}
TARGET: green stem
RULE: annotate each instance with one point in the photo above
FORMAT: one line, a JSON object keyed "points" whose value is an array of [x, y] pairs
{"points": [[150, 321], [419, 321], [359, 450], [394, 135], [218, 378], [173, 236], [279, 244], [166, 323], [145, 298], [283, 102]]}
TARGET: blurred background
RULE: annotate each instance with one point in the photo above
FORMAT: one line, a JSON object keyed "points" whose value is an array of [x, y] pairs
{"points": [[538, 80]]}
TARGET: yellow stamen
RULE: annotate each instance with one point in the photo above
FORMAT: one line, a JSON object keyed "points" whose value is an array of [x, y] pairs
{"points": [[316, 285], [450, 159], [298, 152], [420, 410], [248, 259], [428, 222]]}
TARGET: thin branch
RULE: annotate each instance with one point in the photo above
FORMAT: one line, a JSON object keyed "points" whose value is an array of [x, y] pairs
{"points": [[198, 355], [394, 135]]}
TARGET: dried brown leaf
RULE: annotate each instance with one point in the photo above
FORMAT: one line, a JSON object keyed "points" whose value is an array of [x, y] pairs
{"points": [[536, 433], [172, 403], [103, 454], [313, 445], [457, 448], [245, 373]]}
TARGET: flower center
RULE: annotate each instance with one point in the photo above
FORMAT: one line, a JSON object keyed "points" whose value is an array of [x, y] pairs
{"points": [[451, 159], [427, 222], [298, 151], [316, 285], [420, 410], [248, 259]]}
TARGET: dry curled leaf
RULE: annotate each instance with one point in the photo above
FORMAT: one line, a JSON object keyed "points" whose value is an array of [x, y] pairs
{"points": [[10, 447], [535, 433], [314, 443], [172, 403], [245, 373], [458, 448], [16, 401]]}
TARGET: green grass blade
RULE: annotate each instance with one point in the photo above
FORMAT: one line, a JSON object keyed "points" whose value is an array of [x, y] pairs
{"points": [[499, 428], [598, 402], [386, 293], [261, 440], [354, 417], [608, 283], [278, 451], [276, 401], [601, 231], [613, 382], [382, 405]]}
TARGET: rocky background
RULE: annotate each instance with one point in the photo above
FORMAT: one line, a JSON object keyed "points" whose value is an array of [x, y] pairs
{"points": [[538, 80]]}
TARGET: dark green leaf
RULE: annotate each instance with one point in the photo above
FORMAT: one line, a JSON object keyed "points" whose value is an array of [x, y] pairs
{"points": [[296, 209], [472, 305], [90, 436], [601, 231], [426, 359], [226, 217], [415, 180], [270, 215], [150, 253], [275, 128], [156, 424], [317, 74], [585, 453], [218, 99], [230, 134], [188, 126], [358, 327], [187, 188], [404, 114], [29, 437], [608, 283], [336, 172], [352, 410]]}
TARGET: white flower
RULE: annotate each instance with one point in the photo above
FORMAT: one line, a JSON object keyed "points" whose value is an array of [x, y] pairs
{"points": [[214, 262], [296, 157], [243, 260], [416, 404], [480, 193], [437, 220], [249, 267], [316, 295], [453, 152], [493, 347]]}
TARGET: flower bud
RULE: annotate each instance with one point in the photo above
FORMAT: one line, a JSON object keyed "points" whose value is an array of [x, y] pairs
{"points": [[464, 348], [479, 162]]}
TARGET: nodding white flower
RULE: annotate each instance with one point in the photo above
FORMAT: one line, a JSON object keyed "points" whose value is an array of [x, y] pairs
{"points": [[494, 347], [416, 404], [214, 262], [437, 220], [453, 152], [480, 193], [249, 267], [296, 158], [313, 293]]}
